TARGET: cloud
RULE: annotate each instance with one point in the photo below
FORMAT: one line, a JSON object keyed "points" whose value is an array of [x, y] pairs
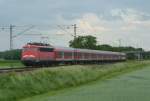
{"points": [[91, 23], [87, 24], [127, 15], [126, 24], [131, 19], [129, 25]]}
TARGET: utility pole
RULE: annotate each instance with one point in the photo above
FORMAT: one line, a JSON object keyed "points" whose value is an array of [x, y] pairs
{"points": [[75, 31], [120, 42], [10, 28], [11, 36], [75, 35]]}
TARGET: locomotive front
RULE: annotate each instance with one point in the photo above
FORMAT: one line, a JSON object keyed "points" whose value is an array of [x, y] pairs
{"points": [[37, 54]]}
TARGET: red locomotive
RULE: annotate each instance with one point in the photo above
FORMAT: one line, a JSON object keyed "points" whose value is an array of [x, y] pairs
{"points": [[45, 54]]}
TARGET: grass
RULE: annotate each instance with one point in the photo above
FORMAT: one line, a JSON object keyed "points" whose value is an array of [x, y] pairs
{"points": [[133, 86], [10, 63], [15, 86]]}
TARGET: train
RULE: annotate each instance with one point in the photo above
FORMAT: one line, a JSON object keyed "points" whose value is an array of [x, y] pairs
{"points": [[40, 54]]}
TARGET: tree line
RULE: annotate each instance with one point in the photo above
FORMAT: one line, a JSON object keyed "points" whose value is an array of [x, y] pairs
{"points": [[11, 55], [90, 42]]}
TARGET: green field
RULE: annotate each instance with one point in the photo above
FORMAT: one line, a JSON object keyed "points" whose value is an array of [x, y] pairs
{"points": [[10, 63], [16, 86], [134, 86]]}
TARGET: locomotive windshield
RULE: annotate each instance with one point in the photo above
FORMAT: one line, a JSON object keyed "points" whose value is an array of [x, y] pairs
{"points": [[46, 49], [29, 49]]}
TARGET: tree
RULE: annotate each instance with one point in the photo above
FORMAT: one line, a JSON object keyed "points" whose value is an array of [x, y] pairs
{"points": [[85, 42], [104, 47]]}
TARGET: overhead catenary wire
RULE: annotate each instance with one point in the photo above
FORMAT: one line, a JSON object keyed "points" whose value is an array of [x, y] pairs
{"points": [[64, 29], [12, 35], [20, 33], [69, 29]]}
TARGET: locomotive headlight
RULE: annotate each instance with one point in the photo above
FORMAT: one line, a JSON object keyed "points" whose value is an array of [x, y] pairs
{"points": [[28, 57]]}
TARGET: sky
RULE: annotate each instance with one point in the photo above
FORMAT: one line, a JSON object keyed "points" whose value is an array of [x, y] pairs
{"points": [[114, 22]]}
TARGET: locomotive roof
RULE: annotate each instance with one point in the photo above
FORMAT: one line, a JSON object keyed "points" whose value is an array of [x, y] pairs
{"points": [[37, 45]]}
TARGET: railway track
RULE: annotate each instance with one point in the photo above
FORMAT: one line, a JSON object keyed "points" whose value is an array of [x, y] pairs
{"points": [[22, 69]]}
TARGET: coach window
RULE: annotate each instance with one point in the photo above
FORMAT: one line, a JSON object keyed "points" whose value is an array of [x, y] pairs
{"points": [[46, 49], [60, 54], [69, 54]]}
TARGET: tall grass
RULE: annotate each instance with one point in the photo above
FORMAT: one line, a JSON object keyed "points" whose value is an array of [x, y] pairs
{"points": [[14, 86]]}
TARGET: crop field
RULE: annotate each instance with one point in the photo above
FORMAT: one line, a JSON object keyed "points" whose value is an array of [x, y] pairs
{"points": [[17, 86]]}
